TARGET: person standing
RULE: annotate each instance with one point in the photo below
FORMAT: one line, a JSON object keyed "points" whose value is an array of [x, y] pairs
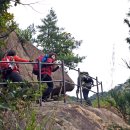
{"points": [[86, 83], [46, 71]]}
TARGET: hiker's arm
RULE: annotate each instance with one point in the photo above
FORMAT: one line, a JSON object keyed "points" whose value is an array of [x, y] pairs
{"points": [[55, 69], [17, 58], [92, 82]]}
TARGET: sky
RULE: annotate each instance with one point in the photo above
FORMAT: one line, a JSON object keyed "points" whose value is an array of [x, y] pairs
{"points": [[99, 23]]}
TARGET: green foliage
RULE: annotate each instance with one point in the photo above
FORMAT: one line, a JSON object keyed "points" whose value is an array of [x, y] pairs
{"points": [[31, 123], [12, 93], [128, 38], [114, 126], [7, 23], [71, 98], [128, 23], [18, 101], [119, 97], [105, 102], [122, 100], [27, 34], [54, 39]]}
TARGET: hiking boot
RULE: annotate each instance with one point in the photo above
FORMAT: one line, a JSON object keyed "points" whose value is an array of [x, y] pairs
{"points": [[88, 102], [44, 99]]}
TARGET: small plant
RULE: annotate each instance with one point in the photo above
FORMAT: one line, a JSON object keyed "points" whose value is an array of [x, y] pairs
{"points": [[105, 102], [27, 34], [122, 100], [115, 127], [16, 106]]}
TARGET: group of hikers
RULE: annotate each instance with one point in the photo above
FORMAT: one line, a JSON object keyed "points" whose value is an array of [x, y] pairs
{"points": [[10, 71]]}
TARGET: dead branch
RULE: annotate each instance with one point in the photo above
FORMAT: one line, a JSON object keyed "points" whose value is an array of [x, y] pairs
{"points": [[29, 4], [128, 66]]}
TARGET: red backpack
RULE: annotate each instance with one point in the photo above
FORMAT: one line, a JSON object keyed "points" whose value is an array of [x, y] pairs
{"points": [[42, 58], [8, 66]]}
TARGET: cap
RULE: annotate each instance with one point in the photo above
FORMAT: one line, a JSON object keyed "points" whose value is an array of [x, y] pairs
{"points": [[11, 53]]}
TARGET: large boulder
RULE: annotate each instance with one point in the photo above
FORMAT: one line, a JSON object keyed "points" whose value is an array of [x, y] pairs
{"points": [[28, 51]]}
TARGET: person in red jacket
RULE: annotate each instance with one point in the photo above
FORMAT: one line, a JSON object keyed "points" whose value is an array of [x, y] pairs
{"points": [[46, 71], [12, 69]]}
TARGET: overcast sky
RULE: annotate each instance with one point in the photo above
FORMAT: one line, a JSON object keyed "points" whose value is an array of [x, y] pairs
{"points": [[99, 23]]}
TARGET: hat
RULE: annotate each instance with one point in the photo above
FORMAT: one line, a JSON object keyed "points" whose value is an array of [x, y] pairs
{"points": [[84, 73], [11, 53]]}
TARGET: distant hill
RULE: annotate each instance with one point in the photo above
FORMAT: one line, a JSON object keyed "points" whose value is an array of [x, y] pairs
{"points": [[119, 87]]}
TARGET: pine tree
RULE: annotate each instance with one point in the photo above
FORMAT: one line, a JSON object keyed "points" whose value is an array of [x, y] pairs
{"points": [[7, 23], [55, 39]]}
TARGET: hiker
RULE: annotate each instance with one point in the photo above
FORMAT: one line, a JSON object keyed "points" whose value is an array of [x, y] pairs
{"points": [[86, 83], [46, 71], [11, 70]]}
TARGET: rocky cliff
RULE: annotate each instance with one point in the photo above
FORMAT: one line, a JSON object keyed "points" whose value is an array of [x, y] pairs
{"points": [[28, 51]]}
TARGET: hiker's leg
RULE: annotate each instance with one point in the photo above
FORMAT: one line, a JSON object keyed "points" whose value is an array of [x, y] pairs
{"points": [[88, 102], [85, 93], [50, 86], [49, 89], [15, 77]]}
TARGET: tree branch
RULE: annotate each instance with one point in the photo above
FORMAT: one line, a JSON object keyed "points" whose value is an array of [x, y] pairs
{"points": [[128, 66], [7, 34], [29, 4], [126, 21]]}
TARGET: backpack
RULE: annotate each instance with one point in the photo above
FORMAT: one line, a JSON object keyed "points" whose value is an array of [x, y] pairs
{"points": [[36, 67], [86, 81], [8, 67]]}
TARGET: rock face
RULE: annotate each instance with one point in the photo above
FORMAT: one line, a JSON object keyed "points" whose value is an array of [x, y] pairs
{"points": [[28, 51], [74, 116], [58, 115]]}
